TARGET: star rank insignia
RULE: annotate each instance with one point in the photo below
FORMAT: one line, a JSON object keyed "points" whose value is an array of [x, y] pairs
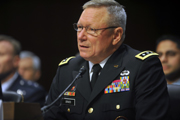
{"points": [[145, 54], [65, 61]]}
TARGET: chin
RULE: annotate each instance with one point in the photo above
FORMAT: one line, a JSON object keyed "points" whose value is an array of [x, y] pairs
{"points": [[84, 56], [167, 72]]}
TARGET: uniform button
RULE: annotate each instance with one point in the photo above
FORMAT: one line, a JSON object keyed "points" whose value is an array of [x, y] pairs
{"points": [[68, 110], [90, 110], [117, 106]]}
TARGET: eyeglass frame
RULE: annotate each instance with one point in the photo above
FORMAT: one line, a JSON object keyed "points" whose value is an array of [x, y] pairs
{"points": [[94, 30]]}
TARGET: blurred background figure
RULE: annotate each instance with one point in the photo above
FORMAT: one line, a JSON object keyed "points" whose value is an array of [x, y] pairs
{"points": [[29, 66], [168, 48], [10, 78]]}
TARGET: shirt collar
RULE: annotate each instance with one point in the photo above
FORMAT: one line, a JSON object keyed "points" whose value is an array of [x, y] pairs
{"points": [[102, 63], [176, 82], [5, 86]]}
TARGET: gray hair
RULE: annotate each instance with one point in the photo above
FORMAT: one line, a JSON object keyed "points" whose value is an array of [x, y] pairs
{"points": [[117, 14], [16, 44], [35, 58]]}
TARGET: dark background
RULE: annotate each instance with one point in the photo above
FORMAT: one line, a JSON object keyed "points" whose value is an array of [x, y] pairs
{"points": [[45, 27]]}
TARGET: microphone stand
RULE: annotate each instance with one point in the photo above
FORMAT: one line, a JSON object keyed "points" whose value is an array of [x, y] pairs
{"points": [[45, 108]]}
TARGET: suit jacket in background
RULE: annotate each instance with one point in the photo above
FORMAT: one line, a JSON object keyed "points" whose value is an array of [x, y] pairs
{"points": [[129, 86], [32, 91], [0, 91]]}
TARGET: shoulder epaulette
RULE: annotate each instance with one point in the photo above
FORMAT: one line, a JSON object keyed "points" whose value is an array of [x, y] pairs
{"points": [[145, 54], [65, 61]]}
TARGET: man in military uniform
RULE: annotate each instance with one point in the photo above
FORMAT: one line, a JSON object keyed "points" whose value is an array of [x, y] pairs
{"points": [[119, 82], [10, 79]]}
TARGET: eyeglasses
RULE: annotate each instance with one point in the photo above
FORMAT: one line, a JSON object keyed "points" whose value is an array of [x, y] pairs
{"points": [[89, 30]]}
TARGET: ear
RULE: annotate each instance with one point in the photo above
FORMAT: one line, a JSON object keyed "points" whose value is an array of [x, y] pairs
{"points": [[117, 35]]}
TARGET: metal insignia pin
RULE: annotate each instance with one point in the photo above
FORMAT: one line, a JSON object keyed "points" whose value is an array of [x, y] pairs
{"points": [[125, 72], [116, 66]]}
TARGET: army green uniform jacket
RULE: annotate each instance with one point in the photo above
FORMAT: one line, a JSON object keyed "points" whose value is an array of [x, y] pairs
{"points": [[131, 84]]}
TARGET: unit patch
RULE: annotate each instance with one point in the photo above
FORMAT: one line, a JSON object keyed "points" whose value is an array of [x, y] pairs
{"points": [[65, 61], [145, 54], [118, 85]]}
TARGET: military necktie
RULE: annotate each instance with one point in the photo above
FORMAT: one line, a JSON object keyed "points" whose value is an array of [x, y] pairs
{"points": [[96, 70]]}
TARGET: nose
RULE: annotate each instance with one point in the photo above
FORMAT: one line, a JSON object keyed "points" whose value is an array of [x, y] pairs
{"points": [[21, 71], [163, 58], [82, 35]]}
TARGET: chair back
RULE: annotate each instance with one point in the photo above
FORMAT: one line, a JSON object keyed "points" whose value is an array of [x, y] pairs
{"points": [[11, 96], [174, 94]]}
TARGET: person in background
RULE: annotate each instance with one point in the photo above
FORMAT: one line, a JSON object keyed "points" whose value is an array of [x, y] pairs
{"points": [[168, 48], [29, 66], [116, 81], [10, 78]]}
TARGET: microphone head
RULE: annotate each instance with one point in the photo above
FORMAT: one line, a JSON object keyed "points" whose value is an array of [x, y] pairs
{"points": [[82, 70]]}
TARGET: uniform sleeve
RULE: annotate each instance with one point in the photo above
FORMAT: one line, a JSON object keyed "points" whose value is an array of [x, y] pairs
{"points": [[54, 112], [152, 100]]}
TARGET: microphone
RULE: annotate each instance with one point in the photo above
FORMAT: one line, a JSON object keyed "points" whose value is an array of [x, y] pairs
{"points": [[81, 71]]}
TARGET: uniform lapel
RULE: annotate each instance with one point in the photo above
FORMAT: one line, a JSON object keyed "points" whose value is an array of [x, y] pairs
{"points": [[108, 74], [83, 85], [15, 84], [111, 70]]}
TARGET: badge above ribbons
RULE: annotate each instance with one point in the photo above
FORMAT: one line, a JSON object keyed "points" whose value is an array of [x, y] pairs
{"points": [[70, 93], [118, 85]]}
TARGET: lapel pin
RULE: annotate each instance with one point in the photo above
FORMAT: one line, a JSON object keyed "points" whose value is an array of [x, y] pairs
{"points": [[116, 66]]}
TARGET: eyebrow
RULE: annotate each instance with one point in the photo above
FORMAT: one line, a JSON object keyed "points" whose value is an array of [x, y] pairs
{"points": [[88, 25], [169, 51]]}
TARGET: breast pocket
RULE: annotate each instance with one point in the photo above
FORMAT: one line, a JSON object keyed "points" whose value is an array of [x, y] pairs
{"points": [[114, 110], [115, 107]]}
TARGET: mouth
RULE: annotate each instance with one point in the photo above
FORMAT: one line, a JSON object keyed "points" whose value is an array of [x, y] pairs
{"points": [[165, 67], [83, 46]]}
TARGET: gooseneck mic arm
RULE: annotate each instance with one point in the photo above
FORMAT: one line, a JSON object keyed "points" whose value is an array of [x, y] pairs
{"points": [[81, 71]]}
